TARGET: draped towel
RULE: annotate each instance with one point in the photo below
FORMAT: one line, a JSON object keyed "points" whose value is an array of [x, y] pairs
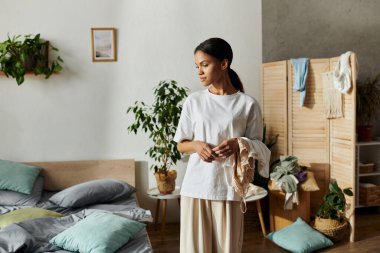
{"points": [[244, 166], [300, 67], [342, 73]]}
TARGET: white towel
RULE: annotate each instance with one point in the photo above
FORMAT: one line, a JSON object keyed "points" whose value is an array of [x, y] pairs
{"points": [[342, 73]]}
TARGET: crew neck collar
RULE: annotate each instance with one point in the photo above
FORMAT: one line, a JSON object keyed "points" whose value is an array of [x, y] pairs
{"points": [[222, 96], [233, 94]]}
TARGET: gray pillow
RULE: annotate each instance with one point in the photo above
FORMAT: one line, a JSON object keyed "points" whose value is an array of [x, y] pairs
{"points": [[92, 192], [11, 198]]}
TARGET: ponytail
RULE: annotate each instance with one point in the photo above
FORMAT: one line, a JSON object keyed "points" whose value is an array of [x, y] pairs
{"points": [[235, 80]]}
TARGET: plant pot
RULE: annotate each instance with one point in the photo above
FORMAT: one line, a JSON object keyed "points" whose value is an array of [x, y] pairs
{"points": [[166, 182], [333, 229], [365, 133], [31, 61]]}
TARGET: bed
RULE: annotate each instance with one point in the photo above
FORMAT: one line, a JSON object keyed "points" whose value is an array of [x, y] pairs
{"points": [[35, 235]]}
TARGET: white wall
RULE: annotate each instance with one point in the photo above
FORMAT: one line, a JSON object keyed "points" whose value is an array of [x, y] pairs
{"points": [[81, 112]]}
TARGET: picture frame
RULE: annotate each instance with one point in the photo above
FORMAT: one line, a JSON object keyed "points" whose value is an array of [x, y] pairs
{"points": [[103, 42]]}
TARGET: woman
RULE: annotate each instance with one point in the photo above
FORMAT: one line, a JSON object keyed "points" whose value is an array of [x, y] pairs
{"points": [[210, 123]]}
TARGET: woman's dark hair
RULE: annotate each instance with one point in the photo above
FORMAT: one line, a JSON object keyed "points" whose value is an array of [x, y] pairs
{"points": [[221, 50]]}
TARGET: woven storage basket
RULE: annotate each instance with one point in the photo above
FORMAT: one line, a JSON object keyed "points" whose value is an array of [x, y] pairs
{"points": [[366, 167], [369, 196], [333, 229]]}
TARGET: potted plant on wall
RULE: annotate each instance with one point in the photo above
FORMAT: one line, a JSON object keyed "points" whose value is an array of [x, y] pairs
{"points": [[367, 106], [160, 120], [21, 54], [331, 215]]}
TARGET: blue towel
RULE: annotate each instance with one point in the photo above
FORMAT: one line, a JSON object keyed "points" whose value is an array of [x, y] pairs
{"points": [[300, 67]]}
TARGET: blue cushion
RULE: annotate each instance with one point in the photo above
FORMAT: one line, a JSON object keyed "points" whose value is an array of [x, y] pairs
{"points": [[92, 192], [299, 237], [17, 177], [99, 232]]}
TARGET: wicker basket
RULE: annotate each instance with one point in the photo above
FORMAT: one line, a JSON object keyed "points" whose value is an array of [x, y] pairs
{"points": [[369, 196], [333, 229], [366, 167]]}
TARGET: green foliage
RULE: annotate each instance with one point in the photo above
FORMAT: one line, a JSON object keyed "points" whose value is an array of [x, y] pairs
{"points": [[334, 203], [160, 120], [20, 54], [368, 100]]}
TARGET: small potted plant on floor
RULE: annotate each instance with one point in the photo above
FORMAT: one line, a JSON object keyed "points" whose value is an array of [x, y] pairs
{"points": [[160, 120], [21, 54], [367, 106], [331, 216]]}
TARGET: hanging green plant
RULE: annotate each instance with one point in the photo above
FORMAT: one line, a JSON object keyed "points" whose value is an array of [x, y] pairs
{"points": [[21, 54]]}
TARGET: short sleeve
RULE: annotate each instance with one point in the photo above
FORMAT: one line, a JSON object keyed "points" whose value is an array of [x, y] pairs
{"points": [[254, 130], [184, 129]]}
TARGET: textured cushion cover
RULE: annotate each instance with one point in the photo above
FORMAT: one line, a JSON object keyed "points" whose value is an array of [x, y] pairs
{"points": [[11, 198], [25, 214], [92, 192], [299, 237], [98, 233], [17, 176], [310, 184]]}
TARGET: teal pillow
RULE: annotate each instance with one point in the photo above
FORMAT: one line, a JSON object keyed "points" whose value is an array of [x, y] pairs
{"points": [[17, 177], [98, 233], [299, 237]]}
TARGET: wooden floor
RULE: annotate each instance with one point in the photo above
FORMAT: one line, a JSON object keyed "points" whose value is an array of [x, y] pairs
{"points": [[367, 236]]}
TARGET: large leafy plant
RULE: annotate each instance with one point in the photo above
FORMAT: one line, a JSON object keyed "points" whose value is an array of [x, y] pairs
{"points": [[368, 100], [160, 120], [334, 204], [20, 54]]}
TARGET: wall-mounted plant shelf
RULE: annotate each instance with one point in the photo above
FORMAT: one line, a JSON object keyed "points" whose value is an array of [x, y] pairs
{"points": [[22, 55]]}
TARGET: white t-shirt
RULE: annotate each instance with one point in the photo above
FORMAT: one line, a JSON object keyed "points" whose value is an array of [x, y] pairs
{"points": [[214, 118]]}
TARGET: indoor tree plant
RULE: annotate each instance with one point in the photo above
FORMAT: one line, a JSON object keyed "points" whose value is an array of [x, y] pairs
{"points": [[160, 120], [367, 106], [20, 54], [331, 217]]}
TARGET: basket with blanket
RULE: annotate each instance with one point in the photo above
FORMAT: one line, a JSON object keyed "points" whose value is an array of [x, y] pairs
{"points": [[289, 177], [289, 192]]}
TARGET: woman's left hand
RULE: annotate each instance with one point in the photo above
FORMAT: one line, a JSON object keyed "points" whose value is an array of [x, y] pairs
{"points": [[227, 148]]}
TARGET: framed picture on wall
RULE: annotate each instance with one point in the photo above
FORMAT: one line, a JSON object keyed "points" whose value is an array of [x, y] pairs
{"points": [[103, 41]]}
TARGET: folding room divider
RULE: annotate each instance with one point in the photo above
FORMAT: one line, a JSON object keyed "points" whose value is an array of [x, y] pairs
{"points": [[326, 146]]}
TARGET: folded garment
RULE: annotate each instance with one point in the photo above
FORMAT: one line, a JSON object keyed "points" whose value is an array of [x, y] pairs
{"points": [[300, 67], [367, 185]]}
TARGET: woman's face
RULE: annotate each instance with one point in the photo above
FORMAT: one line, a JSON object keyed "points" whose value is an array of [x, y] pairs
{"points": [[210, 69]]}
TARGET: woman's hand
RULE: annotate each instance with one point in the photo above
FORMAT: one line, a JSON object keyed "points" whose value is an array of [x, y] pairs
{"points": [[227, 148], [204, 150]]}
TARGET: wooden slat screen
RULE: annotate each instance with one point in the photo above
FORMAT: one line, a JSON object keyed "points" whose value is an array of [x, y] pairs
{"points": [[274, 103], [343, 141], [309, 128]]}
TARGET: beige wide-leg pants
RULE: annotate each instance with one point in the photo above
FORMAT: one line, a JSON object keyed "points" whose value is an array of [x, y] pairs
{"points": [[209, 226]]}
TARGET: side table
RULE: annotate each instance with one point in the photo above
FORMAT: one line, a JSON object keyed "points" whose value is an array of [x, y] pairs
{"points": [[262, 193], [155, 194]]}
